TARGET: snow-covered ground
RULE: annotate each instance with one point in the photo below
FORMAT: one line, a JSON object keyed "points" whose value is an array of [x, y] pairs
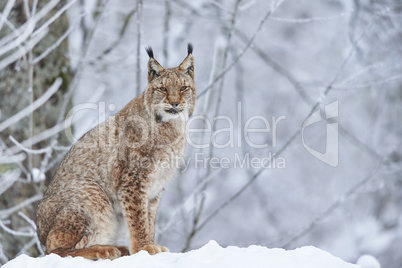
{"points": [[211, 255]]}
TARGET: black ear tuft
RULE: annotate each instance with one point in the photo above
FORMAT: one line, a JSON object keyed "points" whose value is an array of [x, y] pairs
{"points": [[154, 68], [149, 51], [189, 48]]}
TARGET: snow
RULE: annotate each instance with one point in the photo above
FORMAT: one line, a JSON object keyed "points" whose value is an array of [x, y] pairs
{"points": [[211, 255], [38, 175], [368, 261]]}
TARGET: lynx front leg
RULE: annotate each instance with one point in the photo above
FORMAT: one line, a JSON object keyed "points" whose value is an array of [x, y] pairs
{"points": [[152, 209], [134, 203]]}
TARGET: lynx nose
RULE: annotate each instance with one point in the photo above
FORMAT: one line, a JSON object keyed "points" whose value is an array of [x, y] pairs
{"points": [[174, 104]]}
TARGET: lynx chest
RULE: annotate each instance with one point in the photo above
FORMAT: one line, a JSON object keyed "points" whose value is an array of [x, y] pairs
{"points": [[164, 169]]}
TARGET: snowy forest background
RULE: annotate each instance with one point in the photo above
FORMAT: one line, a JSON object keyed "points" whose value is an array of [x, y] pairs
{"points": [[65, 66]]}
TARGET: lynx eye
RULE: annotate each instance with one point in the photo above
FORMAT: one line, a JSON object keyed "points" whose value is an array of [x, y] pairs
{"points": [[163, 89], [183, 88]]}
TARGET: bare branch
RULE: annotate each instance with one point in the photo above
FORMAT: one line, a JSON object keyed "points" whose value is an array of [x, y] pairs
{"points": [[8, 179], [250, 42], [313, 19], [57, 128], [15, 233], [30, 23], [8, 157], [22, 51], [122, 32], [369, 83], [27, 246], [8, 23], [32, 107], [188, 205], [28, 220], [55, 16], [28, 150], [277, 67], [5, 213], [17, 158], [57, 43], [26, 8], [166, 30], [138, 72], [6, 12], [341, 200], [35, 240], [246, 185], [20, 39]]}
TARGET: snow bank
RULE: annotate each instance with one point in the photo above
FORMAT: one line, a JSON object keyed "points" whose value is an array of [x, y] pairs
{"points": [[211, 255]]}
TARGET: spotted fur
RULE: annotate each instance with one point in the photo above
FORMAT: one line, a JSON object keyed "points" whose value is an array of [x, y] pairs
{"points": [[106, 190]]}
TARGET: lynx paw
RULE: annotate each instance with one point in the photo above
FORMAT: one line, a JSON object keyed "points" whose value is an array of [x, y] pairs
{"points": [[99, 252], [105, 252], [124, 251], [153, 249]]}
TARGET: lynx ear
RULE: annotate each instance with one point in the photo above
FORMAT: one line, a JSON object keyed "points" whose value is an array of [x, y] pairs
{"points": [[154, 68], [187, 66]]}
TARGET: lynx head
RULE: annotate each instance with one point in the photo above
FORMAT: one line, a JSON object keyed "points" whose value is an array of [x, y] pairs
{"points": [[170, 93]]}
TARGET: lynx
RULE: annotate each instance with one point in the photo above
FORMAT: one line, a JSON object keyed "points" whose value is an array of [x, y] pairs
{"points": [[108, 186]]}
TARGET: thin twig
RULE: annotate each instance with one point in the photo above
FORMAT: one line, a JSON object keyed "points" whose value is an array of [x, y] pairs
{"points": [[22, 37], [28, 220], [57, 43], [26, 9], [277, 67], [138, 71], [122, 33], [27, 246], [30, 94], [313, 19], [22, 51], [166, 30], [246, 185], [187, 206], [13, 159], [360, 72], [6, 12], [35, 239], [9, 157], [34, 7], [54, 17], [250, 42], [15, 233], [8, 179], [370, 83], [28, 150], [341, 200]]}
